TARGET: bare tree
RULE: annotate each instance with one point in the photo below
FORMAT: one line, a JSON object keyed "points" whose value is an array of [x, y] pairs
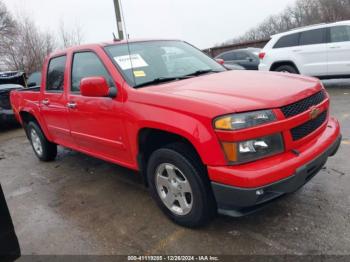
{"points": [[7, 31], [302, 13], [27, 47], [70, 37], [7, 24], [23, 46]]}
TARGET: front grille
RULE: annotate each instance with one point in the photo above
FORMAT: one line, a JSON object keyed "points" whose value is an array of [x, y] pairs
{"points": [[303, 105], [308, 127], [5, 100]]}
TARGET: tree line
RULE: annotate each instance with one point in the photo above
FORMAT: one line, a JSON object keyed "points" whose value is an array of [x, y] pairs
{"points": [[302, 13], [23, 46]]}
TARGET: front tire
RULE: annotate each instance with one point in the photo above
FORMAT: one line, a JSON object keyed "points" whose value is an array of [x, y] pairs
{"points": [[43, 148], [179, 185]]}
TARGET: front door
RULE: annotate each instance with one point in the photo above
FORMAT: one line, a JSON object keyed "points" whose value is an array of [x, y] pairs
{"points": [[96, 124], [339, 50]]}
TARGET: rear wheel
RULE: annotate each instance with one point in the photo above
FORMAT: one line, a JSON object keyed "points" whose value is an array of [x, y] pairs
{"points": [[44, 149], [287, 69], [179, 185]]}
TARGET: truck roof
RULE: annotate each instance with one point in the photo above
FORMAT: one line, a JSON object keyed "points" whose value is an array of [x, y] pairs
{"points": [[107, 43]]}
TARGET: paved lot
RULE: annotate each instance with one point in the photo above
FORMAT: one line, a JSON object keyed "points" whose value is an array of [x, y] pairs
{"points": [[81, 205]]}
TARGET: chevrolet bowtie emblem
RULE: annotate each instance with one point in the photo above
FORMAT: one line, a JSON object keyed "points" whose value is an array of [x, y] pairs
{"points": [[314, 113]]}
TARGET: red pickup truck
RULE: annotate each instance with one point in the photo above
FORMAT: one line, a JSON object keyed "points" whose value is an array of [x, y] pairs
{"points": [[205, 139]]}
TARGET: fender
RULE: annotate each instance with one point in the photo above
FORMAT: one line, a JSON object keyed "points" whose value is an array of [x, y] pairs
{"points": [[34, 112], [191, 128]]}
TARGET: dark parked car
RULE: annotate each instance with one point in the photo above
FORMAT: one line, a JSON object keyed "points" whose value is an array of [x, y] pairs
{"points": [[9, 81], [247, 58]]}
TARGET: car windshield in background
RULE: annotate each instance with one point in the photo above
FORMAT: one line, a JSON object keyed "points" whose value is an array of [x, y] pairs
{"points": [[156, 62], [34, 79]]}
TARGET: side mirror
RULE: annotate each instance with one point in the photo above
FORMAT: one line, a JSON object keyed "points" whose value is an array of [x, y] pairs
{"points": [[96, 86], [220, 61]]}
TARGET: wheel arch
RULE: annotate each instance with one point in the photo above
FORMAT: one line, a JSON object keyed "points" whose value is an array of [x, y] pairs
{"points": [[150, 139], [27, 116], [277, 64]]}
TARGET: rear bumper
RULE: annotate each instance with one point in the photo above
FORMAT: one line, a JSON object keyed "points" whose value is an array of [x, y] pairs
{"points": [[238, 201], [263, 67]]}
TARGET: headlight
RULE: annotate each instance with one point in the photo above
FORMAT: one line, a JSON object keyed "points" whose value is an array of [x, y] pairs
{"points": [[244, 120], [248, 151]]}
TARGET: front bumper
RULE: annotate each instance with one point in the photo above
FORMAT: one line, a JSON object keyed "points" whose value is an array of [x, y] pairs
{"points": [[239, 201], [7, 115]]}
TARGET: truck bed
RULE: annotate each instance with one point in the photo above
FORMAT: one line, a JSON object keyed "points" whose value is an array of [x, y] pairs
{"points": [[25, 98]]}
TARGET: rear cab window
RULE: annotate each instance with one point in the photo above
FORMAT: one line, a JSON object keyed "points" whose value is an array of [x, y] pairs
{"points": [[55, 74]]}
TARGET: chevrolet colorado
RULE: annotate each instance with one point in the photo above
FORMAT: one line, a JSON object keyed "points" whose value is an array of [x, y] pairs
{"points": [[205, 140]]}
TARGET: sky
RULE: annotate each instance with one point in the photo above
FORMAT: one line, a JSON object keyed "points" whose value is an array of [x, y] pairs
{"points": [[203, 23]]}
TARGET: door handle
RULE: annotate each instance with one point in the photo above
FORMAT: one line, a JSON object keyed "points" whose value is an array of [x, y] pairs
{"points": [[72, 105], [46, 102], [297, 50], [335, 47]]}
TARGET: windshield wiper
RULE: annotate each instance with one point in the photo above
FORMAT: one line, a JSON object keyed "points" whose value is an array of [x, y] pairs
{"points": [[160, 80], [202, 72]]}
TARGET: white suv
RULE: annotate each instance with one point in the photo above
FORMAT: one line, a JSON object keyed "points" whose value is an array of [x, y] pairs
{"points": [[321, 50]]}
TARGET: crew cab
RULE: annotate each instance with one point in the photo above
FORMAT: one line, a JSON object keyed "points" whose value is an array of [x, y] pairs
{"points": [[205, 139]]}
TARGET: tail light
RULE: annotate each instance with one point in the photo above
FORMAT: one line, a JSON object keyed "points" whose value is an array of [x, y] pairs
{"points": [[262, 55]]}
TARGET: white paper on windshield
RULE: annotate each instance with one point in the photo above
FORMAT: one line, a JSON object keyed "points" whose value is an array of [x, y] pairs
{"points": [[133, 61]]}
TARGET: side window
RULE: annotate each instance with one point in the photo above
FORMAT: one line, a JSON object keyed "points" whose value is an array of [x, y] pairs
{"points": [[313, 37], [288, 41], [55, 74], [340, 34], [87, 64], [228, 56], [242, 56]]}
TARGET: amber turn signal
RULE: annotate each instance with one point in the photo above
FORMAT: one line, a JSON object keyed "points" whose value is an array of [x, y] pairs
{"points": [[230, 150], [224, 123]]}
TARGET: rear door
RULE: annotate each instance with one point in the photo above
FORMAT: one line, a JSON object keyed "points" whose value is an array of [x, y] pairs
{"points": [[311, 53], [339, 50], [96, 122], [53, 102]]}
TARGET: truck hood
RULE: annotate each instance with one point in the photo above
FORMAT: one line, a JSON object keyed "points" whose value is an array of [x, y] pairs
{"points": [[237, 91]]}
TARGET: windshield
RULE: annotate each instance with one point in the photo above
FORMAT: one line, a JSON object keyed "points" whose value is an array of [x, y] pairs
{"points": [[155, 61]]}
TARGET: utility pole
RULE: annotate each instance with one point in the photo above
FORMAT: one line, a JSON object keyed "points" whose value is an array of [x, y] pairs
{"points": [[119, 19]]}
